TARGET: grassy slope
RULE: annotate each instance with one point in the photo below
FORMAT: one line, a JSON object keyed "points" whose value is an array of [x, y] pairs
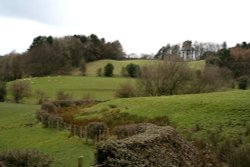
{"points": [[15, 135], [228, 112], [101, 88], [93, 66]]}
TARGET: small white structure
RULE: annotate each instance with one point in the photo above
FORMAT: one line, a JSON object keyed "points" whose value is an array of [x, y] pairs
{"points": [[188, 55]]}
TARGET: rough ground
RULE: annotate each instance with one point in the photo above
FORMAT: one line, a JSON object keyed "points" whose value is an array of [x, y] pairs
{"points": [[153, 146]]}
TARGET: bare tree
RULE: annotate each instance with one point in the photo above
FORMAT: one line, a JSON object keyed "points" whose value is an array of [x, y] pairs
{"points": [[19, 90], [165, 79]]}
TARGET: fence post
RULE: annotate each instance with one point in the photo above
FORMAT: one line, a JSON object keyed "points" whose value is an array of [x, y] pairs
{"points": [[74, 130], [86, 134], [80, 161], [80, 131], [57, 125]]}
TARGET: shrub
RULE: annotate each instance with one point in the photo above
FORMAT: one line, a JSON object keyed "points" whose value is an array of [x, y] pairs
{"points": [[20, 89], [23, 158], [126, 90], [2, 91], [108, 70], [96, 130], [49, 107], [133, 70], [243, 82], [61, 95], [212, 78], [167, 78], [213, 60], [65, 103], [43, 116]]}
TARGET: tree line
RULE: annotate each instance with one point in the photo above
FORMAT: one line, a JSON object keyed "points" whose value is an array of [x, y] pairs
{"points": [[226, 68], [48, 55]]}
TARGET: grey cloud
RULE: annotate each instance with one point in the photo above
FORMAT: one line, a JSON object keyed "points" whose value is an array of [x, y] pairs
{"points": [[45, 11]]}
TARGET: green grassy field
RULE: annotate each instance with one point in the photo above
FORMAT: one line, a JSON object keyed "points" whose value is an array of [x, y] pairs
{"points": [[15, 134], [225, 113], [100, 88], [93, 66]]}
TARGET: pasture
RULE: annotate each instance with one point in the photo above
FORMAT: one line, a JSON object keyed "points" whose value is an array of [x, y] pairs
{"points": [[20, 130], [93, 66], [100, 88], [194, 116]]}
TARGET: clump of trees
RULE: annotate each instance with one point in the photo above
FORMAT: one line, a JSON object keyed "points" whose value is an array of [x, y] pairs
{"points": [[173, 76], [48, 55], [199, 50], [164, 79], [237, 60]]}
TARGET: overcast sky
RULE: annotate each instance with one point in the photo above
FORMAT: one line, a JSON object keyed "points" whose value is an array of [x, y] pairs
{"points": [[142, 26]]}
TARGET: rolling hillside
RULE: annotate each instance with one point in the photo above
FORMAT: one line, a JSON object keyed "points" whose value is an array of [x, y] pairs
{"points": [[100, 88], [20, 130], [226, 112], [93, 66]]}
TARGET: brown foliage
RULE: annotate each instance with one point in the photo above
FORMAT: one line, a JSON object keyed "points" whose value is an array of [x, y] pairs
{"points": [[164, 79], [126, 90], [20, 89]]}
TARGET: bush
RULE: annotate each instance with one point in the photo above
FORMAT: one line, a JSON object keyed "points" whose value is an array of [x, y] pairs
{"points": [[96, 130], [25, 158], [133, 70], [243, 82], [126, 90], [61, 95], [108, 70], [43, 116], [2, 91], [213, 60], [20, 89], [212, 78], [49, 107], [65, 103]]}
